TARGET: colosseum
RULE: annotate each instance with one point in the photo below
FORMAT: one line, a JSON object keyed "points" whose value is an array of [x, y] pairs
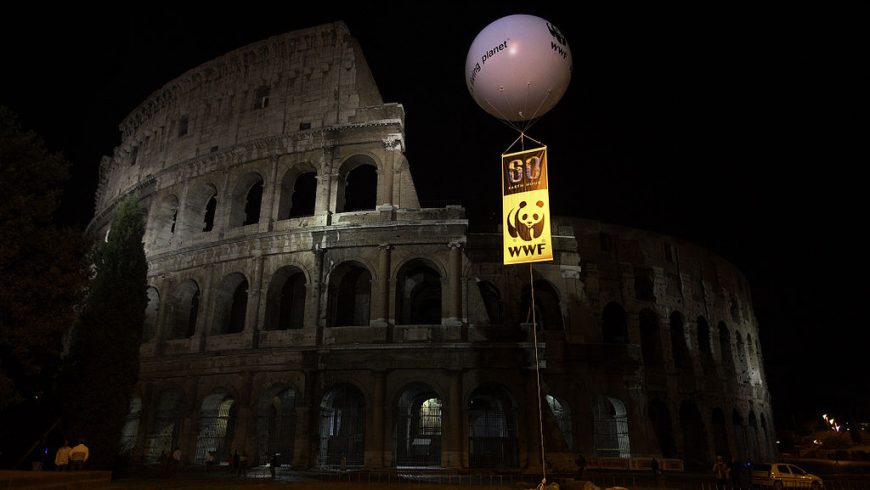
{"points": [[303, 304]]}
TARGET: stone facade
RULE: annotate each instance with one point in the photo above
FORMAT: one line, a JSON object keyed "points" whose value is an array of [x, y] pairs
{"points": [[299, 308]]}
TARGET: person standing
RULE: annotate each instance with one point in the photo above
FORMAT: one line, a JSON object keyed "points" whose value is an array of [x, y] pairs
{"points": [[243, 465], [581, 465], [720, 472], [79, 455], [61, 457], [654, 466], [273, 464]]}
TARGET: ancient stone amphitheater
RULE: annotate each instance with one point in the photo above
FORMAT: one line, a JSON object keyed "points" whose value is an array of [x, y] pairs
{"points": [[303, 304]]}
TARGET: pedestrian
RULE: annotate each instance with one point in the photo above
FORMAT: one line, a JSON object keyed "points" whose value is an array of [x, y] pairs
{"points": [[273, 464], [735, 470], [581, 465], [720, 471], [654, 466], [209, 461], [61, 457], [79, 455], [243, 465]]}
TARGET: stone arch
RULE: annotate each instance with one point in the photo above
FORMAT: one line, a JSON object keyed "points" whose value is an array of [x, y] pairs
{"points": [[679, 349], [199, 209], [217, 415], [492, 428], [492, 302], [614, 325], [149, 328], [165, 426], [739, 431], [342, 427], [163, 220], [561, 413], [276, 425], [660, 419], [231, 304], [285, 299], [350, 294], [417, 437], [650, 338], [298, 192], [418, 293], [185, 310], [610, 428], [357, 184], [694, 436], [548, 311], [246, 200], [720, 434], [727, 359]]}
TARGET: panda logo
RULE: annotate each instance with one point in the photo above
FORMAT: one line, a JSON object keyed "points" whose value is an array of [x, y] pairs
{"points": [[526, 222]]}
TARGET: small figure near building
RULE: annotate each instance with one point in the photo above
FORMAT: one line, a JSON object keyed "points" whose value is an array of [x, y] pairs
{"points": [[78, 456], [61, 457], [720, 472]]}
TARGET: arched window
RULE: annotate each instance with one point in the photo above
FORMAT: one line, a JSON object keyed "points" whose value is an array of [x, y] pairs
{"points": [[418, 294], [131, 426], [739, 433], [208, 217], [610, 428], [286, 300], [560, 411], [149, 328], [492, 302], [720, 434], [342, 427], [754, 439], [358, 184], [185, 310], [232, 304], [614, 327], [694, 438], [548, 313], [350, 292], [492, 429], [165, 425], [276, 426], [216, 424], [247, 199], [199, 209], [660, 418], [703, 336], [679, 348], [650, 340], [298, 193], [725, 346], [418, 427]]}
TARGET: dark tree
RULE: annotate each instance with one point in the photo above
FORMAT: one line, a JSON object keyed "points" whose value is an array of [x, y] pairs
{"points": [[103, 365], [43, 277]]}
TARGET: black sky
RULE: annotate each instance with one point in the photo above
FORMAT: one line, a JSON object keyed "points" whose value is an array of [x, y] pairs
{"points": [[742, 128]]}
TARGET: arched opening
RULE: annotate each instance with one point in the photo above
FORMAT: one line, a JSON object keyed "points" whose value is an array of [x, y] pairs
{"points": [[725, 346], [199, 209], [216, 423], [694, 439], [492, 302], [614, 326], [562, 414], [418, 294], [765, 440], [610, 428], [350, 292], [358, 184], [754, 440], [131, 426], [165, 426], [704, 344], [660, 418], [342, 427], [163, 220], [418, 427], [208, 217], [247, 198], [231, 306], [492, 430], [285, 305], [548, 313], [276, 426], [185, 310], [650, 340], [298, 193], [739, 434], [680, 350], [149, 328], [720, 435]]}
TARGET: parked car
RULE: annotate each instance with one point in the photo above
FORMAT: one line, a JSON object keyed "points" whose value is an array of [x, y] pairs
{"points": [[782, 475]]}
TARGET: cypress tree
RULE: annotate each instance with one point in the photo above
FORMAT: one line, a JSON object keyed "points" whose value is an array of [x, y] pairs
{"points": [[103, 365]]}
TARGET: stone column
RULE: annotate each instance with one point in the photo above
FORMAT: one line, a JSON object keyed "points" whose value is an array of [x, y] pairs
{"points": [[382, 296], [271, 189], [321, 301], [376, 437], [453, 423], [393, 146], [255, 289], [454, 285]]}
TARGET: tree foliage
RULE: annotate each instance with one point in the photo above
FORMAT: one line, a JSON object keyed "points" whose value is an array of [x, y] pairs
{"points": [[42, 268], [103, 365]]}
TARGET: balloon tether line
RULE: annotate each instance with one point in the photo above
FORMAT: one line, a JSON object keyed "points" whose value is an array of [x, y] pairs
{"points": [[538, 379]]}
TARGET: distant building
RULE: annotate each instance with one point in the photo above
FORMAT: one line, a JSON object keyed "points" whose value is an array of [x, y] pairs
{"points": [[302, 302]]}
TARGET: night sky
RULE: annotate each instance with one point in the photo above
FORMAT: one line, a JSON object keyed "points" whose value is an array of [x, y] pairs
{"points": [[741, 129]]}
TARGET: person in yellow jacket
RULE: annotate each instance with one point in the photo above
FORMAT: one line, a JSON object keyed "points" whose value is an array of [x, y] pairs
{"points": [[61, 457], [78, 455]]}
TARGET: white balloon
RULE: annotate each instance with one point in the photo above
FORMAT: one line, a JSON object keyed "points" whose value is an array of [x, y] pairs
{"points": [[518, 67]]}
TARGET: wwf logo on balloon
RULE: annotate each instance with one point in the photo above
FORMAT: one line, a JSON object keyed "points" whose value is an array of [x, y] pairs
{"points": [[526, 222], [554, 31]]}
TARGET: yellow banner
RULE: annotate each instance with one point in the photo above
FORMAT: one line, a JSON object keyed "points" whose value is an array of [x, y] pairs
{"points": [[526, 207]]}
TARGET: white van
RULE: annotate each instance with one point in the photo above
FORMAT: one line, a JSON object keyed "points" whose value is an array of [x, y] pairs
{"points": [[782, 475]]}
